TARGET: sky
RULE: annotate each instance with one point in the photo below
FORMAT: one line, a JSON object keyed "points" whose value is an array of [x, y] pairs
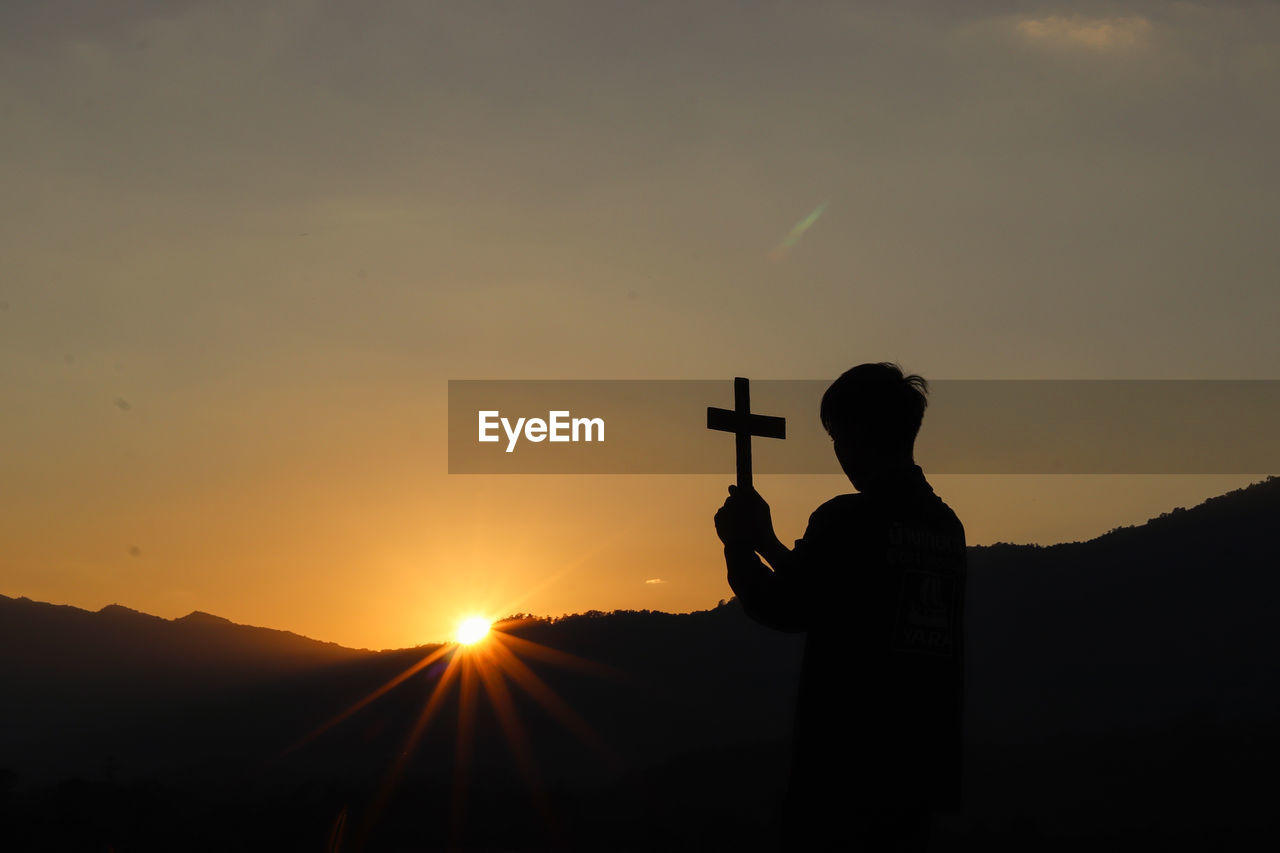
{"points": [[244, 246]]}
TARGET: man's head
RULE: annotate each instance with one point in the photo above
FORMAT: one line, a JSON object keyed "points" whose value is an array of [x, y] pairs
{"points": [[873, 414]]}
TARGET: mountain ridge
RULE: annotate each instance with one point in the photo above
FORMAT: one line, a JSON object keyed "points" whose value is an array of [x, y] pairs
{"points": [[1228, 503], [1113, 685]]}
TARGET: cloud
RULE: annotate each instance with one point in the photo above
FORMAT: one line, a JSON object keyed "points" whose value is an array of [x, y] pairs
{"points": [[655, 580], [1104, 35]]}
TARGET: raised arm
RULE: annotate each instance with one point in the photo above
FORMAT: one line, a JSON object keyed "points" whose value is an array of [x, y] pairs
{"points": [[771, 597]]}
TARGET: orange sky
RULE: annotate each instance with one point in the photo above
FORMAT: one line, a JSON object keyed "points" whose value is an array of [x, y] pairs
{"points": [[243, 247]]}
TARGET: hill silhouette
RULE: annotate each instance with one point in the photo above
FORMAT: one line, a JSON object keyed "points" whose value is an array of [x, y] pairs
{"points": [[1148, 625], [1122, 691]]}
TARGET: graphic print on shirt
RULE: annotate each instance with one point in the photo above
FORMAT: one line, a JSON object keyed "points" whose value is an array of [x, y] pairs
{"points": [[930, 563]]}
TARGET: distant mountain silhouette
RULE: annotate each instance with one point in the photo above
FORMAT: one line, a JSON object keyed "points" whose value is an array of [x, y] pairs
{"points": [[55, 647], [208, 741], [72, 675], [1117, 686], [41, 636], [1143, 626], [68, 670]]}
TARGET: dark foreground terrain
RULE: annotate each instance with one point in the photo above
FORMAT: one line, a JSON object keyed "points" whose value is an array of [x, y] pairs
{"points": [[1122, 695]]}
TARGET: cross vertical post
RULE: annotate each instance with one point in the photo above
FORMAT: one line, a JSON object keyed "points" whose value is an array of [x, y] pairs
{"points": [[743, 424]]}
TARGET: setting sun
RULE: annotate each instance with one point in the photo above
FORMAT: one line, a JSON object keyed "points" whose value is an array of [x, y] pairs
{"points": [[472, 630]]}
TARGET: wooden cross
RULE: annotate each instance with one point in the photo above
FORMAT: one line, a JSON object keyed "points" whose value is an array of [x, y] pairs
{"points": [[743, 425]]}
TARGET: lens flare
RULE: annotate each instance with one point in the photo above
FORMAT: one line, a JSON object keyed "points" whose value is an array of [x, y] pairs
{"points": [[781, 250]]}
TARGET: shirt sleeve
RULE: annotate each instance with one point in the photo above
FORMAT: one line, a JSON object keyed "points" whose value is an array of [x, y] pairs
{"points": [[780, 598], [772, 598]]}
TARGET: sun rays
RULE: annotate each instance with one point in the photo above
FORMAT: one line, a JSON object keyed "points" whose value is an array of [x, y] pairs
{"points": [[486, 664]]}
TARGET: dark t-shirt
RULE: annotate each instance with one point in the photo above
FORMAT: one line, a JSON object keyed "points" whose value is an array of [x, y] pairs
{"points": [[878, 584]]}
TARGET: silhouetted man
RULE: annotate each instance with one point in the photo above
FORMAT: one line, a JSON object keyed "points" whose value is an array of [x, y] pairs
{"points": [[877, 583]]}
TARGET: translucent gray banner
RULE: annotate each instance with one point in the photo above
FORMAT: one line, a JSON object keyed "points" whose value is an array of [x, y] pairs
{"points": [[972, 426]]}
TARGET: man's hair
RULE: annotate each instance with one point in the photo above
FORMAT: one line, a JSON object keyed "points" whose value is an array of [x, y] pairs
{"points": [[877, 403]]}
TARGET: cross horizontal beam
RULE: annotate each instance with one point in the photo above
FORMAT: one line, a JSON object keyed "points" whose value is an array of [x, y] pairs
{"points": [[728, 420]]}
